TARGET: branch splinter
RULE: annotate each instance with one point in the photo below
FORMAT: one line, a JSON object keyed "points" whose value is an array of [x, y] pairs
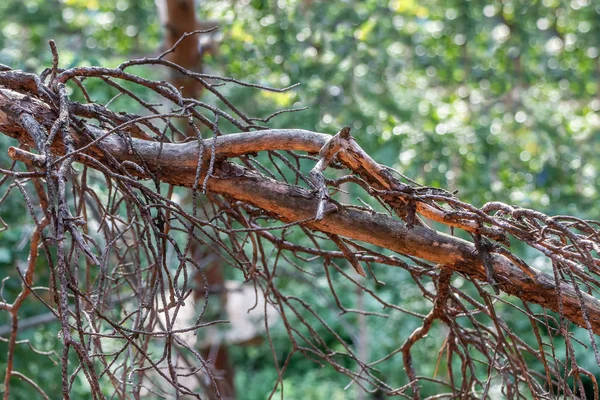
{"points": [[326, 156]]}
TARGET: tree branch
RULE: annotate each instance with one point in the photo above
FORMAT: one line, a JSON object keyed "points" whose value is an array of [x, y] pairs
{"points": [[177, 163]]}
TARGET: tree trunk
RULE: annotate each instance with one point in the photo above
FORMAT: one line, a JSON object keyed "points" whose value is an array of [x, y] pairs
{"points": [[178, 18]]}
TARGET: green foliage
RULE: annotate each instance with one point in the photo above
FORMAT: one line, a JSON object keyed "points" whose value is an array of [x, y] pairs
{"points": [[494, 99]]}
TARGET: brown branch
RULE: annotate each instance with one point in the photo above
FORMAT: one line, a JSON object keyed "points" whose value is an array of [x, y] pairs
{"points": [[178, 162], [14, 307]]}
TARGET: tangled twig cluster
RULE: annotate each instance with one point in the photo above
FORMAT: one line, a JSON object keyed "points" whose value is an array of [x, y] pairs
{"points": [[103, 188]]}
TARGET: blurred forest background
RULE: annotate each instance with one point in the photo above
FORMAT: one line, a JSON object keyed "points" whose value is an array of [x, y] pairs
{"points": [[496, 99]]}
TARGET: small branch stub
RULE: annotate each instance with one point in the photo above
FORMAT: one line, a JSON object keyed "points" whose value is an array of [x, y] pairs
{"points": [[28, 158]]}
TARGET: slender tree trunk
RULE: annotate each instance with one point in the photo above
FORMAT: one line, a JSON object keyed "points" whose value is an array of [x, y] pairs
{"points": [[178, 18]]}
